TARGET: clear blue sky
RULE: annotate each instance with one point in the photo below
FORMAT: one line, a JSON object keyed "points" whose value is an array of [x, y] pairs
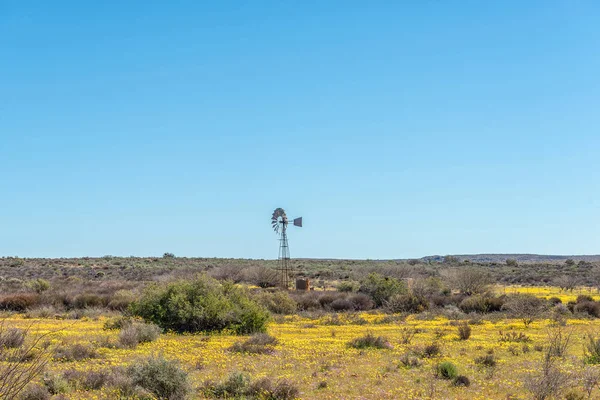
{"points": [[395, 128]]}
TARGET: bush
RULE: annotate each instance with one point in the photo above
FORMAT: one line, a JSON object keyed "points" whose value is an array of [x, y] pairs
{"points": [[430, 350], [235, 386], [481, 304], [35, 392], [470, 281], [38, 285], [12, 338], [239, 386], [592, 350], [308, 302], [201, 305], [591, 308], [165, 379], [487, 360], [348, 286], [370, 341], [525, 307], [262, 277], [86, 380], [461, 380], [138, 332], [381, 288], [555, 300], [406, 303], [446, 370], [464, 331], [74, 352], [88, 300], [261, 343], [278, 302], [361, 302], [408, 360], [121, 300], [583, 298], [341, 305], [19, 302]]}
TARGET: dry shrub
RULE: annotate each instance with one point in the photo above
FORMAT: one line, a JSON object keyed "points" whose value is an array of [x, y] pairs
{"points": [[86, 380], [370, 341], [511, 336], [341, 305], [12, 338], [35, 392], [19, 302], [429, 351], [75, 352], [558, 341], [408, 360], [361, 302], [591, 308], [407, 335], [262, 277], [308, 302], [164, 378], [239, 385], [23, 360], [138, 332], [548, 382], [260, 343], [464, 331]]}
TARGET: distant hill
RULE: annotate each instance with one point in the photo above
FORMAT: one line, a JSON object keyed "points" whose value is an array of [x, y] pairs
{"points": [[523, 258]]}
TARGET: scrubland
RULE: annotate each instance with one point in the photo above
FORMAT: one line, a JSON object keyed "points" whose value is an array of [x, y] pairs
{"points": [[196, 329]]}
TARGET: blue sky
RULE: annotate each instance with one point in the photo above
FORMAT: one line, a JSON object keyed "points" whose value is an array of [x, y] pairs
{"points": [[396, 129]]}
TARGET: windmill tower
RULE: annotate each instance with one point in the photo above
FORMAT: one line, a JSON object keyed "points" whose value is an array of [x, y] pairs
{"points": [[279, 221]]}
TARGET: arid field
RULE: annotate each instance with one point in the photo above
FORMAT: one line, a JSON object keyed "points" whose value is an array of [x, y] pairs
{"points": [[97, 338]]}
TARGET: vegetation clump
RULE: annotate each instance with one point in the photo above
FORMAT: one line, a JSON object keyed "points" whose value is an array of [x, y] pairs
{"points": [[164, 378], [370, 341], [446, 370], [203, 304]]}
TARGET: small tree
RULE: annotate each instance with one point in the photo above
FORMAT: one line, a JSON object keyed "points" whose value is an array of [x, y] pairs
{"points": [[526, 307], [470, 280], [566, 282]]}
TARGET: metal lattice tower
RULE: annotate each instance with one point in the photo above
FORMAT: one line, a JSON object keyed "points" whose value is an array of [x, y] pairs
{"points": [[279, 222]]}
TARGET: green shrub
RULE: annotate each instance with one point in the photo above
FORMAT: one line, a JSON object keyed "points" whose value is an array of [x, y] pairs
{"points": [[370, 341], [381, 288], [38, 285], [348, 286], [201, 305], [446, 370], [165, 379], [278, 302]]}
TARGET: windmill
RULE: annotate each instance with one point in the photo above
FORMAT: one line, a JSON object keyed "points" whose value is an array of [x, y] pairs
{"points": [[279, 221]]}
